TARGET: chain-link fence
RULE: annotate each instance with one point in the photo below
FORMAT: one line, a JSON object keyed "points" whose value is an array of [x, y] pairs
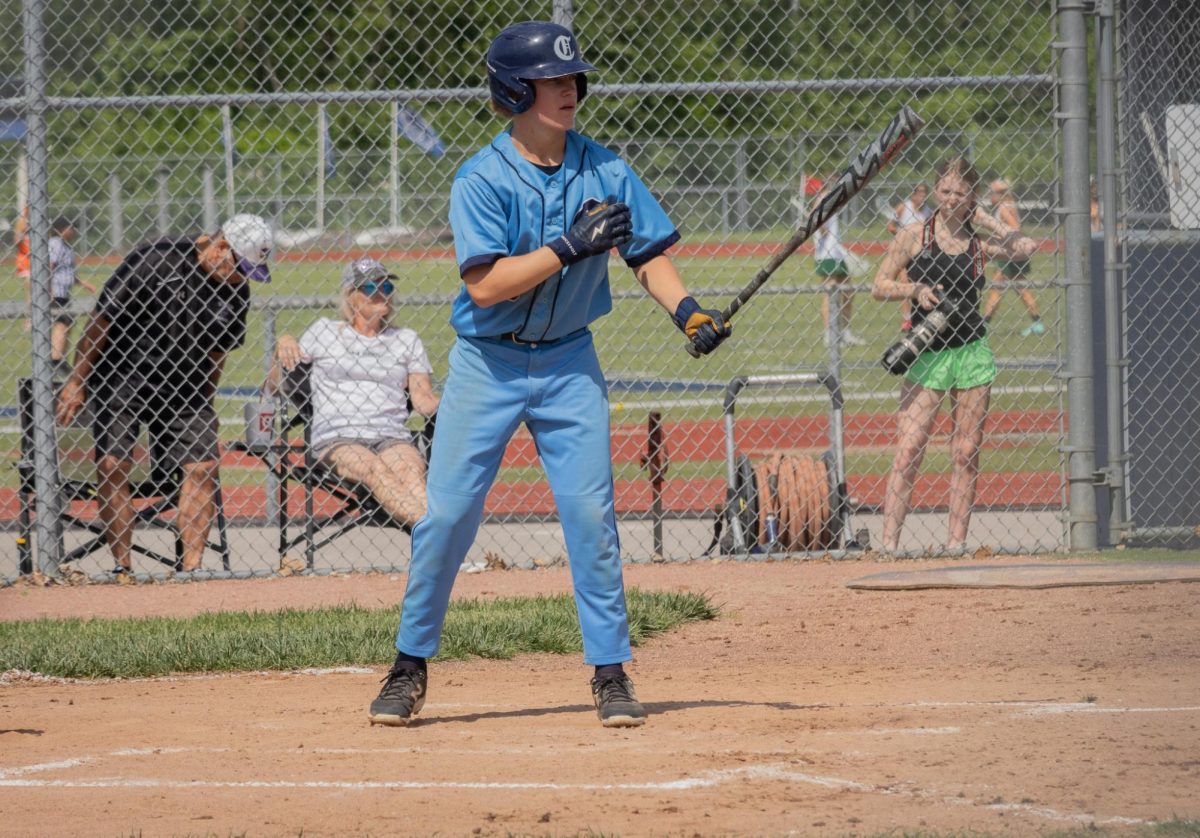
{"points": [[343, 126], [1148, 253]]}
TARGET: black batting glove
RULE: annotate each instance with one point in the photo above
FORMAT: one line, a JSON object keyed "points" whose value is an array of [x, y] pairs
{"points": [[596, 231], [704, 326]]}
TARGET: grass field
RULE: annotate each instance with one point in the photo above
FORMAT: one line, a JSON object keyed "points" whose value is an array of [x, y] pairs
{"points": [[298, 638], [776, 331]]}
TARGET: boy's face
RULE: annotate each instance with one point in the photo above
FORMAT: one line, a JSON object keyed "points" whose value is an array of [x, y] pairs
{"points": [[555, 101]]}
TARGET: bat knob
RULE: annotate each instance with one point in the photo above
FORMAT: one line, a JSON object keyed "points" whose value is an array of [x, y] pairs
{"points": [[692, 350]]}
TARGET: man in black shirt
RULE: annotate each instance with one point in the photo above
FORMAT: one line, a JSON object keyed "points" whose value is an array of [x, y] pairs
{"points": [[152, 354]]}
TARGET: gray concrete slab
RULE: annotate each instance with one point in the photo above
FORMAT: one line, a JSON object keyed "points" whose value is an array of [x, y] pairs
{"points": [[254, 550]]}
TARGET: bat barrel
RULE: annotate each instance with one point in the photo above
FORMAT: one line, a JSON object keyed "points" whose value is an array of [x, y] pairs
{"points": [[898, 134]]}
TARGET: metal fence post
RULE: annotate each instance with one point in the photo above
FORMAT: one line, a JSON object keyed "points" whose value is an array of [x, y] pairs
{"points": [[801, 175], [162, 175], [116, 213], [563, 13], [49, 504], [394, 169], [227, 142], [741, 205], [1081, 430], [209, 192], [277, 199], [1106, 144], [22, 181], [271, 482], [321, 162]]}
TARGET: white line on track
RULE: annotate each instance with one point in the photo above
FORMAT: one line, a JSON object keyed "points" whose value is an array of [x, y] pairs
{"points": [[709, 779]]}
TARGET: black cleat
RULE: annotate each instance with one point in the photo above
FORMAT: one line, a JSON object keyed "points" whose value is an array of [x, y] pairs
{"points": [[402, 697], [616, 703]]}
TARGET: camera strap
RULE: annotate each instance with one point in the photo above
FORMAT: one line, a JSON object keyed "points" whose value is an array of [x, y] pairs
{"points": [[975, 249]]}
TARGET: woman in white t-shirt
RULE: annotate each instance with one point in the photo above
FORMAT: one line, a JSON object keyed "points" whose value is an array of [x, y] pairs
{"points": [[364, 373]]}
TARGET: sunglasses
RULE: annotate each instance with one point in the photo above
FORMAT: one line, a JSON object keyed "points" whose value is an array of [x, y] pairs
{"points": [[371, 288]]}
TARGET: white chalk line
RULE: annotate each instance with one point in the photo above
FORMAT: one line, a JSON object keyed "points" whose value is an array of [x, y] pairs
{"points": [[1058, 709], [75, 762], [11, 778], [1000, 702], [889, 731]]}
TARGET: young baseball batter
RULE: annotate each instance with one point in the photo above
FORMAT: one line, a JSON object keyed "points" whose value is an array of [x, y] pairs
{"points": [[535, 214]]}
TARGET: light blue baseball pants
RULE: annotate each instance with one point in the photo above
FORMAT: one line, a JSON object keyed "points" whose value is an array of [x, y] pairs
{"points": [[559, 392]]}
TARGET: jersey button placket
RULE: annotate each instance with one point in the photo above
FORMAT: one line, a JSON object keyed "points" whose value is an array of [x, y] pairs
{"points": [[554, 211]]}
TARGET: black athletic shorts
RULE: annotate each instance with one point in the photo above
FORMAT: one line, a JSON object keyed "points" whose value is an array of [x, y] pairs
{"points": [[177, 436]]}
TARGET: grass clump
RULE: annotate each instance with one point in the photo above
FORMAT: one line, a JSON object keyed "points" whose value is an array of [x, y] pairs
{"points": [[295, 639]]}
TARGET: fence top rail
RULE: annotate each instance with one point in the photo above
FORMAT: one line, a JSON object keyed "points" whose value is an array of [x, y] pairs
{"points": [[1158, 237], [465, 94], [12, 309]]}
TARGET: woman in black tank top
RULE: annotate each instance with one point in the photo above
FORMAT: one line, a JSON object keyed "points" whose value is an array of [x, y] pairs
{"points": [[945, 254]]}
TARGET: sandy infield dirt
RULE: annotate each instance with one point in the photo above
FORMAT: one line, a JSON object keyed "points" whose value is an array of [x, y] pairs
{"points": [[806, 708]]}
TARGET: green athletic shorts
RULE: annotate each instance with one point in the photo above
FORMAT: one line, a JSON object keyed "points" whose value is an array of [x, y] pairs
{"points": [[1014, 269], [960, 368], [831, 267]]}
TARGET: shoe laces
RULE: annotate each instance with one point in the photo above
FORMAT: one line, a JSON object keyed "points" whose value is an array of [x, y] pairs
{"points": [[400, 683], [615, 688]]}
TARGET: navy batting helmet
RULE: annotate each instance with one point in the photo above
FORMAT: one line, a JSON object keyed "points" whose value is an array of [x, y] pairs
{"points": [[532, 50]]}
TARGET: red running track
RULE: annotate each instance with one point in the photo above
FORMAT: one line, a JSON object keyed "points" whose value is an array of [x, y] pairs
{"points": [[1020, 489], [703, 441]]}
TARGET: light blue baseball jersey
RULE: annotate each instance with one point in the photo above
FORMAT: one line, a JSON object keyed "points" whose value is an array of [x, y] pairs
{"points": [[503, 205]]}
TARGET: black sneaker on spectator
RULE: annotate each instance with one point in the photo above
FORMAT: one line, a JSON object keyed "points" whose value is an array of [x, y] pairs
{"points": [[402, 697], [616, 703]]}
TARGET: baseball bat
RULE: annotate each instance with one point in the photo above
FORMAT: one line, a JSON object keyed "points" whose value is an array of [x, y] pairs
{"points": [[898, 133]]}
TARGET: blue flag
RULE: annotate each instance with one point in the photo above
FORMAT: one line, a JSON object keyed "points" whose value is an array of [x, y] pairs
{"points": [[419, 132], [12, 129]]}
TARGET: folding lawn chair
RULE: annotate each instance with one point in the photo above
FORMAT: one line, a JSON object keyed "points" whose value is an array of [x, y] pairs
{"points": [[294, 462]]}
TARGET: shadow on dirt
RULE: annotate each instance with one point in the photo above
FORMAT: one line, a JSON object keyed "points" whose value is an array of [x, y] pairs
{"points": [[652, 709]]}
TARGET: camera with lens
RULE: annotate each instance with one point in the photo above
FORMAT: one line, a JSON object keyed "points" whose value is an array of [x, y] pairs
{"points": [[903, 353]]}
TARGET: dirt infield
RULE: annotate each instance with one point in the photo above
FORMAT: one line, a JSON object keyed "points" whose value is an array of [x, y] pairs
{"points": [[806, 708]]}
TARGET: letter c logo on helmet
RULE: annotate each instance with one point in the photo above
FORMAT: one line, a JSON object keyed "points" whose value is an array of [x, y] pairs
{"points": [[531, 50]]}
